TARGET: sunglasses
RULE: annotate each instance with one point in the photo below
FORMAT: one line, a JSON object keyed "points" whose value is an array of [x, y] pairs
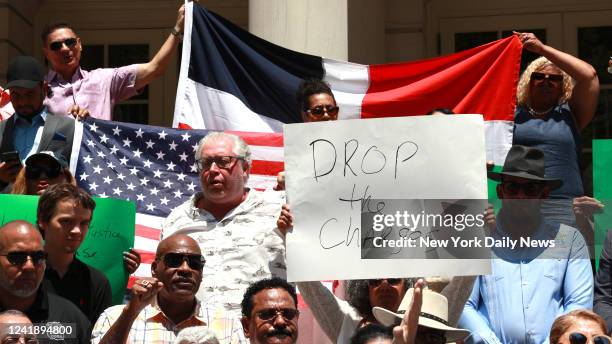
{"points": [[529, 189], [271, 313], [174, 260], [57, 45], [320, 110], [223, 162], [541, 76], [579, 338], [376, 282], [20, 257], [34, 172]]}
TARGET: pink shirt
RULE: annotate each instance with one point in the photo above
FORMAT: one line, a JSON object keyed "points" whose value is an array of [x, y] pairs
{"points": [[97, 90]]}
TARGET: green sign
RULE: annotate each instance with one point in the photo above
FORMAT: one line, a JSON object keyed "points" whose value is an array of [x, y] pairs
{"points": [[111, 232], [602, 190]]}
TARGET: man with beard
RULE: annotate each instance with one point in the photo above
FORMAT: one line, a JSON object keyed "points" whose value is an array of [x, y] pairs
{"points": [[32, 128], [22, 265], [234, 225], [64, 214], [164, 304], [540, 269], [269, 312]]}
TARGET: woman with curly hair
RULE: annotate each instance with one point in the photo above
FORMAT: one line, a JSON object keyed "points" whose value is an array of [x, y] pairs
{"points": [[556, 98]]}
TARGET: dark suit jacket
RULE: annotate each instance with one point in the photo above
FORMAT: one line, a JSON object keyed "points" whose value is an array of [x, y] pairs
{"points": [[57, 136], [603, 283]]}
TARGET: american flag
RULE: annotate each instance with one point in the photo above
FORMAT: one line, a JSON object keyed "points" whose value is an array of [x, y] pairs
{"points": [[155, 168]]}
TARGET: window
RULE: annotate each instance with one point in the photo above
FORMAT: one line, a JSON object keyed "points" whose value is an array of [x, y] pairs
{"points": [[468, 40], [135, 109]]}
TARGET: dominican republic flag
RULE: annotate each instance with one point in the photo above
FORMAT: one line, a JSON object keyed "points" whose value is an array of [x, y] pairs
{"points": [[233, 80], [155, 168]]}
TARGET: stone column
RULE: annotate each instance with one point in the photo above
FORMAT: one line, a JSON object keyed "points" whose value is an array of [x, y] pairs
{"points": [[318, 27], [16, 30]]}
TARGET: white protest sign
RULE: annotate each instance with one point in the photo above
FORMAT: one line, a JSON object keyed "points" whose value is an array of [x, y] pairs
{"points": [[332, 166]]}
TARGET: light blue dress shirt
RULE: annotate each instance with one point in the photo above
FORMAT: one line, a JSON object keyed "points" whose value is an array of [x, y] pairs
{"points": [[529, 288], [25, 133]]}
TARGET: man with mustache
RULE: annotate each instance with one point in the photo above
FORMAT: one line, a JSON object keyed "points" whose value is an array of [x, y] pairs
{"points": [[545, 273], [64, 214], [164, 304], [32, 128], [235, 226], [22, 265], [269, 312]]}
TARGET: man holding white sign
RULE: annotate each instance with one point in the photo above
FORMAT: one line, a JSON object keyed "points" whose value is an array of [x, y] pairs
{"points": [[234, 226], [542, 269]]}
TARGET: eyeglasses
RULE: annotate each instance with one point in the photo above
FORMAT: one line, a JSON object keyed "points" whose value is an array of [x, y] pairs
{"points": [[20, 257], [551, 77], [174, 260], [34, 172], [430, 336], [579, 338], [529, 189], [376, 282], [320, 110], [10, 339], [57, 45], [223, 162], [271, 313]]}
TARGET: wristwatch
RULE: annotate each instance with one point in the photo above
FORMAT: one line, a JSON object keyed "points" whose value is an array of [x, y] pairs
{"points": [[177, 34]]}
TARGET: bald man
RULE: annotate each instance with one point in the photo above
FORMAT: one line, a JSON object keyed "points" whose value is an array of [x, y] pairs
{"points": [[165, 303], [11, 320], [22, 265]]}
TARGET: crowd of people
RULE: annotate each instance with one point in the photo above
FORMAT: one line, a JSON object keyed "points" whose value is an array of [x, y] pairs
{"points": [[219, 271]]}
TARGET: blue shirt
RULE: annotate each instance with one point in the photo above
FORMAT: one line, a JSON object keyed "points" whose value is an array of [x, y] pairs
{"points": [[25, 133], [529, 288], [556, 135]]}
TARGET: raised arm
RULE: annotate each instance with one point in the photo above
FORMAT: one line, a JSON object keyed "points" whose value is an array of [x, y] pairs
{"points": [[583, 101], [155, 68]]}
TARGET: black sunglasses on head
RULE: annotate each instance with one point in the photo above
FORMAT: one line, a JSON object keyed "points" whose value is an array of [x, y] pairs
{"points": [[57, 45], [20, 257], [174, 260], [34, 172]]}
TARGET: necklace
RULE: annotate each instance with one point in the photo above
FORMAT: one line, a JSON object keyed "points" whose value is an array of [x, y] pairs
{"points": [[535, 113]]}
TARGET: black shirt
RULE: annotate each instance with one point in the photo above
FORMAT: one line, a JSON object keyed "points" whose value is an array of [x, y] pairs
{"points": [[52, 308], [85, 286]]}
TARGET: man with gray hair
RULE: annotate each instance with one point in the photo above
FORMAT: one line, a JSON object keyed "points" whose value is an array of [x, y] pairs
{"points": [[234, 225]]}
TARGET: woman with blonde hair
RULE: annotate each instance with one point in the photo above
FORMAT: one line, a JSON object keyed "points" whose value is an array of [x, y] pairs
{"points": [[556, 98], [579, 326]]}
